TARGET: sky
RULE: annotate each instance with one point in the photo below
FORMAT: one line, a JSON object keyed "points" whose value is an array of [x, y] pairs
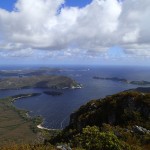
{"points": [[86, 32]]}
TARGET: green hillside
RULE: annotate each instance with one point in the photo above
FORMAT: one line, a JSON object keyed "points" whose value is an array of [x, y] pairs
{"points": [[44, 81]]}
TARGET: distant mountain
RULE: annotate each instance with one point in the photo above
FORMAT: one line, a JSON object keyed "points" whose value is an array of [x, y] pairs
{"points": [[28, 72]]}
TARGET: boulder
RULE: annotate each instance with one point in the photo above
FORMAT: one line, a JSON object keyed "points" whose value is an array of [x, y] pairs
{"points": [[140, 130]]}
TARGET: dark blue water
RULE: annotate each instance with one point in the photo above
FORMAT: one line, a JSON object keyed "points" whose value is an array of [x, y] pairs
{"points": [[56, 110]]}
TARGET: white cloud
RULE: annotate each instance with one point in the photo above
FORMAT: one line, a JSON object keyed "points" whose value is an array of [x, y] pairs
{"points": [[28, 52], [36, 24], [131, 37]]}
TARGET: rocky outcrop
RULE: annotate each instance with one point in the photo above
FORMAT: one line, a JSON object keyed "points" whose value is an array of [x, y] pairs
{"points": [[140, 130], [63, 147]]}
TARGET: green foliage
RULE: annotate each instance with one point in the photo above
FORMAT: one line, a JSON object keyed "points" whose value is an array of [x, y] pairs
{"points": [[92, 139], [125, 135]]}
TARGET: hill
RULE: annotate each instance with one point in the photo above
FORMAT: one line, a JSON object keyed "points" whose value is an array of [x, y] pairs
{"points": [[141, 89], [126, 108], [44, 81]]}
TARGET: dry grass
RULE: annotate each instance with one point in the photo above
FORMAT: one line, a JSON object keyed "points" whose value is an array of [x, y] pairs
{"points": [[13, 128], [27, 147]]}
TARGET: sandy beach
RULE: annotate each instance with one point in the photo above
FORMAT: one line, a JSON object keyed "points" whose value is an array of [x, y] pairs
{"points": [[43, 128]]}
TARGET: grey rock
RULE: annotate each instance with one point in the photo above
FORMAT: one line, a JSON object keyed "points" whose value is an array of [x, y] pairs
{"points": [[63, 147], [140, 130]]}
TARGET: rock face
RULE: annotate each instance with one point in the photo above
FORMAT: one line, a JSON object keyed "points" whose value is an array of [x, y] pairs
{"points": [[123, 109], [63, 147]]}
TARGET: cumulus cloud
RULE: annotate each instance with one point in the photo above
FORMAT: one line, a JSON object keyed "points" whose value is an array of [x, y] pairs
{"points": [[93, 29]]}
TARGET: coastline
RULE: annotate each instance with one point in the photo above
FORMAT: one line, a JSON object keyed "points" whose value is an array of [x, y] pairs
{"points": [[43, 128]]}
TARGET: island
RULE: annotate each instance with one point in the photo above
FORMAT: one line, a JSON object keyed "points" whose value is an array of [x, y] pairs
{"points": [[53, 93], [43, 81], [144, 83]]}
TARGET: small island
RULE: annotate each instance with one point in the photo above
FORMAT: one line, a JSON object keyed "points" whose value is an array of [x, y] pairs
{"points": [[144, 83], [53, 93]]}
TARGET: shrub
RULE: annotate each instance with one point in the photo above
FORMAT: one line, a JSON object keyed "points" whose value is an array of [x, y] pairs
{"points": [[92, 139]]}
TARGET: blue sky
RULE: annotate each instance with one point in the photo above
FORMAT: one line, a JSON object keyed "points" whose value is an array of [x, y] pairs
{"points": [[9, 4], [78, 3], [106, 32]]}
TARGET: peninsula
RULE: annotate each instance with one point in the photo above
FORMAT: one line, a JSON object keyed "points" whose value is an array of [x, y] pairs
{"points": [[43, 81]]}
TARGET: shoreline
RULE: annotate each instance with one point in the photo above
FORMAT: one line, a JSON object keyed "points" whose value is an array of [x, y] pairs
{"points": [[43, 128]]}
